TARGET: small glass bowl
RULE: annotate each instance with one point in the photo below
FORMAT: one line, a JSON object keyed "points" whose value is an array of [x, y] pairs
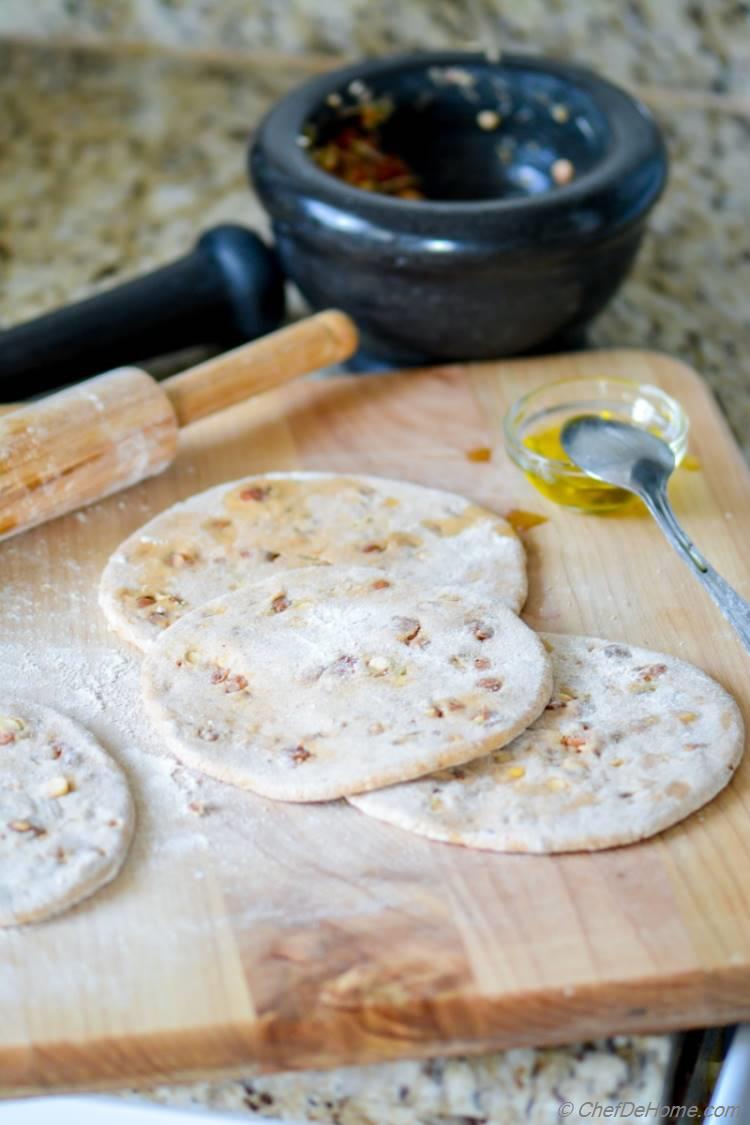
{"points": [[533, 423]]}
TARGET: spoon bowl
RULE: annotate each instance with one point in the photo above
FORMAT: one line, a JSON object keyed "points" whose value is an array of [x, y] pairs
{"points": [[618, 453], [640, 462]]}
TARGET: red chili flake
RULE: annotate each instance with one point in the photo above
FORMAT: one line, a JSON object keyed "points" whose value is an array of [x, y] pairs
{"points": [[481, 662], [343, 664], [481, 453], [489, 683], [651, 672], [408, 629], [6, 737], [145, 600], [219, 675], [371, 548], [574, 741], [255, 493], [280, 603], [482, 632], [235, 683], [299, 754], [356, 155], [380, 584]]}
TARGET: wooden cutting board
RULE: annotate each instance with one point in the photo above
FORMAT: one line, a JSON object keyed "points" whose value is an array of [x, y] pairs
{"points": [[290, 936]]}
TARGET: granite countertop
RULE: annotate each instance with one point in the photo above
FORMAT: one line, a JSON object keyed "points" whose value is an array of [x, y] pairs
{"points": [[505, 1088], [111, 163], [668, 43]]}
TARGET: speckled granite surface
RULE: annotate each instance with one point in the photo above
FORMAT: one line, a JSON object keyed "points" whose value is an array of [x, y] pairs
{"points": [[111, 164], [507, 1088], [669, 42]]}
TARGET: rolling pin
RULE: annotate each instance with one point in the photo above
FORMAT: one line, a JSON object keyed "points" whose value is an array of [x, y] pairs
{"points": [[98, 437]]}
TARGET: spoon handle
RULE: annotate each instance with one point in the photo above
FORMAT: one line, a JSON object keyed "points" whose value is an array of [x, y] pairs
{"points": [[735, 609]]}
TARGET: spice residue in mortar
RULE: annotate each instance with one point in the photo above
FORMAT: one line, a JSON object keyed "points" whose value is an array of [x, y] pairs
{"points": [[356, 150], [356, 154]]}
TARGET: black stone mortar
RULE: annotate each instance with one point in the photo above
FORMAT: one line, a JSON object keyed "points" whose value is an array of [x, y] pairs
{"points": [[500, 259]]}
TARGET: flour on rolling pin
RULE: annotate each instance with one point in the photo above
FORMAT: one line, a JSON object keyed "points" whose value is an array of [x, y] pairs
{"points": [[104, 435], [82, 444]]}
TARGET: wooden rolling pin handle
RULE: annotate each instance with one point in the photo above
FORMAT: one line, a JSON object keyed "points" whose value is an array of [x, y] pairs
{"points": [[326, 338]]}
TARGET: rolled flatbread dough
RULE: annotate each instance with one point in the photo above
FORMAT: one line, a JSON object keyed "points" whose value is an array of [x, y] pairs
{"points": [[247, 530], [334, 680], [66, 813], [631, 742]]}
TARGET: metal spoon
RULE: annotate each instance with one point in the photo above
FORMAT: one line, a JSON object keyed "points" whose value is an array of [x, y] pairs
{"points": [[640, 462]]}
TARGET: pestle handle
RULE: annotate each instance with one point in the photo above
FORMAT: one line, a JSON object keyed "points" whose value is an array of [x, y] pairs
{"points": [[320, 340], [229, 288]]}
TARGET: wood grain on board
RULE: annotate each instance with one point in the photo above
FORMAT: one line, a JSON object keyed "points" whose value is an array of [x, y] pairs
{"points": [[389, 945]]}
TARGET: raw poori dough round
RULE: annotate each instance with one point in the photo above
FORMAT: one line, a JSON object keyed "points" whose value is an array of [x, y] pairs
{"points": [[334, 680], [247, 530], [66, 813], [631, 742]]}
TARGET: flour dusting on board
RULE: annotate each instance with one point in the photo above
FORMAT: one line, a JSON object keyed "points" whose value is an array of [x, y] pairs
{"points": [[205, 855]]}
